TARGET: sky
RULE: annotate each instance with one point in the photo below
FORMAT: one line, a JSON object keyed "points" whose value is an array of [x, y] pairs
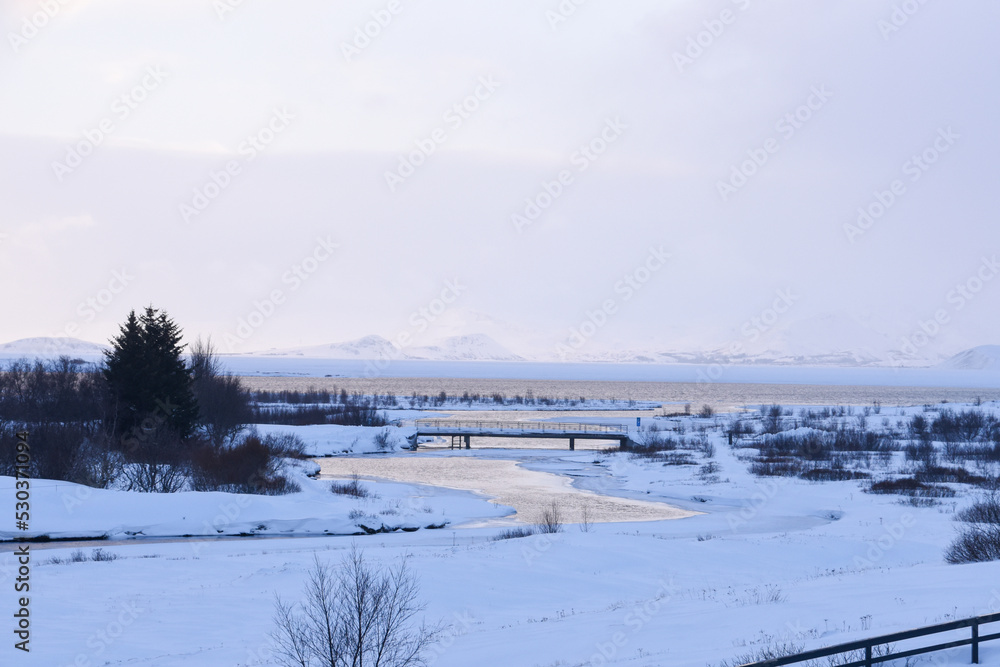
{"points": [[665, 175]]}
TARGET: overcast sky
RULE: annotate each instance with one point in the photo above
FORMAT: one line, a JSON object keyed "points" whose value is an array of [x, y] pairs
{"points": [[118, 115]]}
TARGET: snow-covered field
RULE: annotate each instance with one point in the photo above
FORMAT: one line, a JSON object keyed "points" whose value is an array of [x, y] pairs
{"points": [[769, 561]]}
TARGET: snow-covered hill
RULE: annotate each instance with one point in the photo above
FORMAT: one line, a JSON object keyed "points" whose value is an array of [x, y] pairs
{"points": [[369, 347], [982, 358], [52, 348], [473, 347]]}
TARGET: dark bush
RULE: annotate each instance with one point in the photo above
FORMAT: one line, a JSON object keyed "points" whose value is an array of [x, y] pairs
{"points": [[344, 415], [51, 392], [975, 544], [908, 486], [514, 533], [937, 474], [251, 466], [986, 510], [223, 400], [833, 475], [351, 488], [777, 467], [650, 442], [811, 446]]}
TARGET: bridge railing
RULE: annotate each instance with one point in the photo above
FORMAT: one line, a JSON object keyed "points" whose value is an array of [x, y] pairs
{"points": [[871, 656], [457, 426]]}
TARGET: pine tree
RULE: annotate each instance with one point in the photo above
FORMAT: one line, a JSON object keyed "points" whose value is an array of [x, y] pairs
{"points": [[149, 383]]}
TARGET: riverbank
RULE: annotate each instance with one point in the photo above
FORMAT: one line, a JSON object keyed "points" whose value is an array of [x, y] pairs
{"points": [[770, 562]]}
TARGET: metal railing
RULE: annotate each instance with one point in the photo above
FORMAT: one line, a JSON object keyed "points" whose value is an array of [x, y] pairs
{"points": [[459, 426], [869, 645]]}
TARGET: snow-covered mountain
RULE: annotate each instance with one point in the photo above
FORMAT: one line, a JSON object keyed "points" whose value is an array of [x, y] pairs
{"points": [[982, 358], [369, 347], [473, 347], [824, 340], [52, 348]]}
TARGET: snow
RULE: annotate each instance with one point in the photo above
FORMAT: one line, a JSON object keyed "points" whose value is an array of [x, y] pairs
{"points": [[333, 440], [481, 357], [64, 510], [470, 347], [982, 358], [768, 561], [52, 348]]}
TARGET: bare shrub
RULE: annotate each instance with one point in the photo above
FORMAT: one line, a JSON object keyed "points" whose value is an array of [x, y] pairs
{"points": [[514, 533], [986, 510], [675, 458], [96, 463], [976, 543], [551, 520], [223, 400], [771, 418], [251, 466], [777, 467], [154, 477], [738, 429], [352, 488], [706, 411], [650, 442], [102, 556], [285, 445], [833, 475], [952, 475], [384, 441], [586, 522], [354, 615], [761, 653], [908, 486]]}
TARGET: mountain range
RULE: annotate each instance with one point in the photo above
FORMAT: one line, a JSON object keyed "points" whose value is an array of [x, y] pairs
{"points": [[481, 347]]}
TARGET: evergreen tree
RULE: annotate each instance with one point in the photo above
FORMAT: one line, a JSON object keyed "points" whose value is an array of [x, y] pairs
{"points": [[149, 383]]}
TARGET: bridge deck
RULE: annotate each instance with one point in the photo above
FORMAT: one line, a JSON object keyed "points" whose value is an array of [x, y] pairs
{"points": [[520, 429]]}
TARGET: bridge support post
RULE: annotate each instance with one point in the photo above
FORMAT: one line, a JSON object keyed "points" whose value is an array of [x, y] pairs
{"points": [[468, 442], [572, 444]]}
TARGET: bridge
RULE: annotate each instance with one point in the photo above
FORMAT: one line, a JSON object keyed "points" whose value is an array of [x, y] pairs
{"points": [[461, 432]]}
